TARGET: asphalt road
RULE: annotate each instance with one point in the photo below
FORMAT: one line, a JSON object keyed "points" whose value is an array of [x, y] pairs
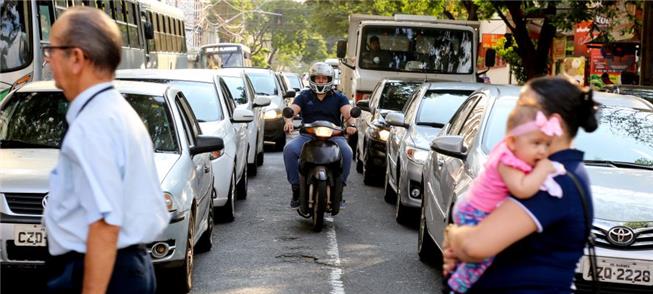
{"points": [[269, 248]]}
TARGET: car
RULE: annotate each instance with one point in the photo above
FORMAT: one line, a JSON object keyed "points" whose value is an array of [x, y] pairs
{"points": [[217, 115], [33, 123], [620, 175], [643, 92], [242, 91], [267, 84], [373, 131], [294, 82], [426, 113]]}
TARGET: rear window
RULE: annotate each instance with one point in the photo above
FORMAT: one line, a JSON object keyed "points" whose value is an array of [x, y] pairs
{"points": [[395, 94], [439, 106]]}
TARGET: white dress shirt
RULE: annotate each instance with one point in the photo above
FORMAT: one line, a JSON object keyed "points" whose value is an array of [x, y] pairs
{"points": [[105, 171]]}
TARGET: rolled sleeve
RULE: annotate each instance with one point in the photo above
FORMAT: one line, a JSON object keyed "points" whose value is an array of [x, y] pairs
{"points": [[300, 100]]}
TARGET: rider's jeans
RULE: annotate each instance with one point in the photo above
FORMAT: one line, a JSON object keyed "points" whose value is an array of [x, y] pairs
{"points": [[293, 149]]}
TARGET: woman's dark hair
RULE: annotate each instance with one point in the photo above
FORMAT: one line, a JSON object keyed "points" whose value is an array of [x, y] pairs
{"points": [[574, 104]]}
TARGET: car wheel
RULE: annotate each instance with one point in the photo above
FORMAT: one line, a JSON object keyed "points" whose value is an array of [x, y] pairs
{"points": [[205, 243], [428, 252], [369, 177], [226, 213], [403, 214], [182, 277], [259, 158], [251, 168], [241, 187], [390, 195]]}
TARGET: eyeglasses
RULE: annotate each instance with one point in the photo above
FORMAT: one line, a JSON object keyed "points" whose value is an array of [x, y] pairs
{"points": [[47, 49]]}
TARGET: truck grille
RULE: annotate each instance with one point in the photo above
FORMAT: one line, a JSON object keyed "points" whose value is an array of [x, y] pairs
{"points": [[25, 203]]}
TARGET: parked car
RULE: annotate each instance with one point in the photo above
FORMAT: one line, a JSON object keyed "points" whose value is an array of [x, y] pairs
{"points": [[426, 113], [373, 131], [217, 115], [32, 126], [620, 175], [242, 91], [266, 84]]}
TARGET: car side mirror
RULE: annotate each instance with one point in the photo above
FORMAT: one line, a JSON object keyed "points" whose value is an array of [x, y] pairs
{"points": [[262, 101], [148, 30], [396, 119], [341, 49], [364, 105], [490, 56], [453, 146], [289, 94], [241, 115], [205, 143]]}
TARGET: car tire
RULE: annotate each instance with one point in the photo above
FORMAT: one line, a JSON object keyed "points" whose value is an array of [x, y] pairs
{"points": [[260, 157], [252, 167], [241, 187], [182, 277], [226, 213], [369, 177], [205, 243], [390, 195], [427, 251], [359, 166], [403, 214]]}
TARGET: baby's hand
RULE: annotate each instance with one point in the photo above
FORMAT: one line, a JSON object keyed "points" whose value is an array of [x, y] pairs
{"points": [[546, 164]]}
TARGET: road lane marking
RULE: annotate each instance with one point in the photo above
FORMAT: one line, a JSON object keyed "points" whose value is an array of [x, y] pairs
{"points": [[335, 278]]}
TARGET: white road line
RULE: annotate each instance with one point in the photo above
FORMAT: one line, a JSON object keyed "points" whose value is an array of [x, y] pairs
{"points": [[335, 279]]}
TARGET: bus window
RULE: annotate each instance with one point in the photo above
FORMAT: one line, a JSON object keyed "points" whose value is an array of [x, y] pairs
{"points": [[175, 41], [16, 30], [168, 35], [161, 46], [119, 12], [45, 20], [134, 40]]}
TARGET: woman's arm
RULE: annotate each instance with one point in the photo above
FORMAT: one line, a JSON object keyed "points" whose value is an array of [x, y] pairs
{"points": [[507, 224], [524, 186]]}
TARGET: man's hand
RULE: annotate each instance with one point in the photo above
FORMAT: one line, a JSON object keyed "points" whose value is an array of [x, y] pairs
{"points": [[288, 126], [350, 130]]}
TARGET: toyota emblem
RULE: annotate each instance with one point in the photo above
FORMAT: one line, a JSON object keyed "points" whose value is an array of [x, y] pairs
{"points": [[44, 201], [621, 236]]}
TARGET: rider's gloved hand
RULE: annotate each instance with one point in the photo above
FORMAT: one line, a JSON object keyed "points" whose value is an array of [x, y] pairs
{"points": [[288, 126]]}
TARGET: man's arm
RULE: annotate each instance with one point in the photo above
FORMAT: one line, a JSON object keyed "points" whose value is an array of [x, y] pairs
{"points": [[101, 251], [350, 122]]}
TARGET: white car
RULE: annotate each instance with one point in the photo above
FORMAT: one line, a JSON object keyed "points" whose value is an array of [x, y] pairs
{"points": [[242, 91], [32, 126], [215, 111]]}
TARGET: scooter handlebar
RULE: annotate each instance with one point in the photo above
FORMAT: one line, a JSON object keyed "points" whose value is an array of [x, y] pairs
{"points": [[355, 112], [288, 112]]}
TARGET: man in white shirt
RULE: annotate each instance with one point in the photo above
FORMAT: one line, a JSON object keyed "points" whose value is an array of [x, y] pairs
{"points": [[105, 200]]}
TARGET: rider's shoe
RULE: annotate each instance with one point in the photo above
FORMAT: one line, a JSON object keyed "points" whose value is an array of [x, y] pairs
{"points": [[294, 203]]}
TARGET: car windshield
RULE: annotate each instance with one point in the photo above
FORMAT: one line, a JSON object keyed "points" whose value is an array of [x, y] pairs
{"points": [[264, 84], [203, 99], [438, 106], [236, 86], [16, 30], [632, 128], [38, 120], [395, 94]]}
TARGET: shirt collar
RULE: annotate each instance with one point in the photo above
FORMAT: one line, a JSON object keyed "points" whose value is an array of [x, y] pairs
{"points": [[75, 107], [567, 155]]}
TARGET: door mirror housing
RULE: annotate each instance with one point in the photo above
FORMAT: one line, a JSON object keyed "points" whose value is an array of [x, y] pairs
{"points": [[453, 146], [242, 116], [341, 49], [205, 143], [289, 94], [396, 119], [260, 101], [364, 105]]}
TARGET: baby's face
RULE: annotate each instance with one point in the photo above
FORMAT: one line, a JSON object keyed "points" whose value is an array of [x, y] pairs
{"points": [[531, 147]]}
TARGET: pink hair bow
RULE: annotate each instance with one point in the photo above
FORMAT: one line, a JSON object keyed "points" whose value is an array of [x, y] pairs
{"points": [[550, 127]]}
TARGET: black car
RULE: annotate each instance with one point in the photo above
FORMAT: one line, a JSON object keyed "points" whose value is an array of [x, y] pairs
{"points": [[388, 95]]}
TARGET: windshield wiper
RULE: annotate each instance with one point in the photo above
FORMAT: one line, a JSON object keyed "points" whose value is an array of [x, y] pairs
{"points": [[23, 144], [622, 164], [261, 93], [430, 124]]}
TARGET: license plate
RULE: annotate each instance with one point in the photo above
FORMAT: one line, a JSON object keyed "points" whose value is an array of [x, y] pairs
{"points": [[623, 271], [29, 235]]}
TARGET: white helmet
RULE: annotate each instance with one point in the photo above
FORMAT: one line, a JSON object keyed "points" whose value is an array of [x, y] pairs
{"points": [[320, 69]]}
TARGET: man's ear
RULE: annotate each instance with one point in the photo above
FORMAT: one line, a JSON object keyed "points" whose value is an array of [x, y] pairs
{"points": [[78, 60]]}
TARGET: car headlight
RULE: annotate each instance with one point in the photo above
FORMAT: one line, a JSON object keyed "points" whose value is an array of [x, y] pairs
{"points": [[378, 133], [416, 154], [170, 203], [272, 114], [323, 132], [383, 135]]}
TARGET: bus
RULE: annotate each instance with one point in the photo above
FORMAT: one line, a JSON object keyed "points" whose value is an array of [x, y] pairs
{"points": [[153, 36], [224, 55]]}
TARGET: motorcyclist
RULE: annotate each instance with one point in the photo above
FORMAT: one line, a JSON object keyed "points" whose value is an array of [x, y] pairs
{"points": [[319, 102]]}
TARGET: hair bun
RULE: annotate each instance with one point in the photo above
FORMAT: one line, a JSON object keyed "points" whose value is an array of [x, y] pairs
{"points": [[587, 111]]}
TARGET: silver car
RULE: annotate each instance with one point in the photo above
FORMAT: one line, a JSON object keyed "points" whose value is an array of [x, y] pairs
{"points": [[408, 142], [620, 175], [32, 125], [217, 115]]}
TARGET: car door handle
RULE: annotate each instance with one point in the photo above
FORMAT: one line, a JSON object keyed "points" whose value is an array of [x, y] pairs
{"points": [[206, 169], [440, 163]]}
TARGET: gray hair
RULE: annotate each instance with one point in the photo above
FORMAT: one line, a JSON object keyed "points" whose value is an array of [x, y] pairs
{"points": [[96, 34]]}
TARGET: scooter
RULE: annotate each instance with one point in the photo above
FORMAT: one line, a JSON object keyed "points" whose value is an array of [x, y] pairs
{"points": [[320, 167]]}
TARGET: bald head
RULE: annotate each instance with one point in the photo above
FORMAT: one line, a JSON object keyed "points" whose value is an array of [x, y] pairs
{"points": [[92, 31]]}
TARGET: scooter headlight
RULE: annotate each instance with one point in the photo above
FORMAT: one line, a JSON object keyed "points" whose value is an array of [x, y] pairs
{"points": [[323, 132]]}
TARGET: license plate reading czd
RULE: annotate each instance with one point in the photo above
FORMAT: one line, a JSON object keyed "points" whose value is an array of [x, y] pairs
{"points": [[623, 271], [29, 235]]}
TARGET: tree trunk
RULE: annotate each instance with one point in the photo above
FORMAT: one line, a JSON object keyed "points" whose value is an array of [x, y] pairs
{"points": [[274, 51]]}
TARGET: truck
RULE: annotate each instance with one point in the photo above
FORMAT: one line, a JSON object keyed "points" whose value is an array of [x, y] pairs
{"points": [[405, 46]]}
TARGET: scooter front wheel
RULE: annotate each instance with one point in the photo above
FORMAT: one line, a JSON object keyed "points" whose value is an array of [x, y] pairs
{"points": [[319, 206]]}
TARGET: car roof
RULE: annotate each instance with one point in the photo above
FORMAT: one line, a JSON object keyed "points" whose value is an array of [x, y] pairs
{"points": [[191, 74], [142, 88], [455, 85], [230, 71], [256, 70]]}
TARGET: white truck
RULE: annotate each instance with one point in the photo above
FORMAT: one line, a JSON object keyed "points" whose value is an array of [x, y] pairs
{"points": [[407, 46]]}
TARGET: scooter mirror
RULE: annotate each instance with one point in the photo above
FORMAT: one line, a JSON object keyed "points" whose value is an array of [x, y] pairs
{"points": [[289, 113], [355, 112]]}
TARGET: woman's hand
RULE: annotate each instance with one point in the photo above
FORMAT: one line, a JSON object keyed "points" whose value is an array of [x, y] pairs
{"points": [[450, 260]]}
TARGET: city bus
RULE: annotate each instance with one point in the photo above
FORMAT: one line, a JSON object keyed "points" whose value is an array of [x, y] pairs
{"points": [[224, 55], [152, 32]]}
